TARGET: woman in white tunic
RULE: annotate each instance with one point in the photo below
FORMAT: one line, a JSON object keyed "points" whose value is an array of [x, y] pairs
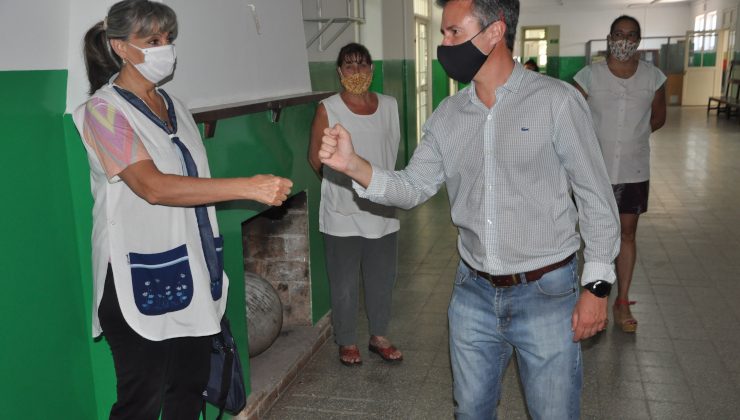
{"points": [[160, 290], [627, 100], [359, 236]]}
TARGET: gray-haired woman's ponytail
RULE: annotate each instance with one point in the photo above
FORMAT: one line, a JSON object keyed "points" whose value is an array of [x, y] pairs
{"points": [[100, 61]]}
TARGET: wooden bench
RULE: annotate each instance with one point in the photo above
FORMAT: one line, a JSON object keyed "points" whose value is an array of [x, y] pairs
{"points": [[729, 103]]}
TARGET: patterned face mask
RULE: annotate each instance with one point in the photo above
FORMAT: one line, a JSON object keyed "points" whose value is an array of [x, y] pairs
{"points": [[357, 83], [622, 49]]}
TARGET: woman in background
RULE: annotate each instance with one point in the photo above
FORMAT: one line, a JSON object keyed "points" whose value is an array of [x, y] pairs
{"points": [[531, 65], [627, 100], [358, 235], [160, 290]]}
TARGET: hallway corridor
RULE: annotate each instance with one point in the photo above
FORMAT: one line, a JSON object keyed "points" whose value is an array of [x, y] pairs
{"points": [[683, 363]]}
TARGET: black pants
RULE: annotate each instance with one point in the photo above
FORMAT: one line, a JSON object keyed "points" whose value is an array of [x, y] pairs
{"points": [[153, 376]]}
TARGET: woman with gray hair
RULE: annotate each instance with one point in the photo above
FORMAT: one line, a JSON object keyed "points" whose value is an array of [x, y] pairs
{"points": [[159, 287]]}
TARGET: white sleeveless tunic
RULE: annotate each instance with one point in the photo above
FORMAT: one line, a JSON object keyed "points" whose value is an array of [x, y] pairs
{"points": [[376, 138], [155, 252], [621, 110]]}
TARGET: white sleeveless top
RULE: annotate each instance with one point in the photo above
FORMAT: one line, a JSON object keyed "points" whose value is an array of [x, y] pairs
{"points": [[376, 138], [621, 110], [161, 279]]}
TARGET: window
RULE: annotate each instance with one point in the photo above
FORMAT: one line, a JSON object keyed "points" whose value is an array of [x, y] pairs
{"points": [[698, 39], [421, 7], [699, 23], [534, 34], [705, 23], [710, 24]]}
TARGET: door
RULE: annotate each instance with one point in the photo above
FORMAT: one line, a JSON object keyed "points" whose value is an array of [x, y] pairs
{"points": [[534, 47], [423, 76], [705, 56]]}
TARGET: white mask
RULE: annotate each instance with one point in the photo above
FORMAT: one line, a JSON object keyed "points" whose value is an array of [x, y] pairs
{"points": [[159, 62]]}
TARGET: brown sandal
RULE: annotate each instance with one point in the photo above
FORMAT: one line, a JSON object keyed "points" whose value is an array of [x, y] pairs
{"points": [[386, 352], [349, 355], [623, 316]]}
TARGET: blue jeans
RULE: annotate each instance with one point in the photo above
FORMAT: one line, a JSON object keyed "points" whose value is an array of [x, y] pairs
{"points": [[488, 323]]}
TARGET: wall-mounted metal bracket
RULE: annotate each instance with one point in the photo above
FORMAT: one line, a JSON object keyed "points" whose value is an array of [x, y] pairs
{"points": [[328, 23], [209, 116], [355, 14]]}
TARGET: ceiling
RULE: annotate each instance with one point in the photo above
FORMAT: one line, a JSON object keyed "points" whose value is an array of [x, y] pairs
{"points": [[597, 3]]}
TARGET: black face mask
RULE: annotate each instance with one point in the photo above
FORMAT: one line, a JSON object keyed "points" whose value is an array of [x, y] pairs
{"points": [[462, 61]]}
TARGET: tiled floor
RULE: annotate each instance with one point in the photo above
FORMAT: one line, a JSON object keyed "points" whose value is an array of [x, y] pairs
{"points": [[684, 361]]}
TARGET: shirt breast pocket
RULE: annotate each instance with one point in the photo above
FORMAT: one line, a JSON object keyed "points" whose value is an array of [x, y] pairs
{"points": [[526, 144]]}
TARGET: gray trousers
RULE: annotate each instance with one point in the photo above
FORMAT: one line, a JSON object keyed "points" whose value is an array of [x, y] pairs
{"points": [[377, 259]]}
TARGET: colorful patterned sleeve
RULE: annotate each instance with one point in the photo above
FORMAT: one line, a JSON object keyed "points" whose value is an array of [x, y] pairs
{"points": [[107, 131]]}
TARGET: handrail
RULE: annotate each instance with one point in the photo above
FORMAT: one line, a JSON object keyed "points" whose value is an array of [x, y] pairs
{"points": [[210, 115]]}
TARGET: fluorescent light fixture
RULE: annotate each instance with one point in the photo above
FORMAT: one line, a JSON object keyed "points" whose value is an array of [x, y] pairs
{"points": [[650, 3]]}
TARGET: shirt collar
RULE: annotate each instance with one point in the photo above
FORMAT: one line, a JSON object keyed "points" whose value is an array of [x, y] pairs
{"points": [[513, 83]]}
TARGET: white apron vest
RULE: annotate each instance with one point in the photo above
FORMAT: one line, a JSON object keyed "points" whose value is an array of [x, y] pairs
{"points": [[161, 279]]}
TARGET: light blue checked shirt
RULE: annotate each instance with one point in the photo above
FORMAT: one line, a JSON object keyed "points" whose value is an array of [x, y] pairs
{"points": [[509, 172]]}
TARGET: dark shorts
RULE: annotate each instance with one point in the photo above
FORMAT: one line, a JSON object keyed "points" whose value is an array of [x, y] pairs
{"points": [[632, 198]]}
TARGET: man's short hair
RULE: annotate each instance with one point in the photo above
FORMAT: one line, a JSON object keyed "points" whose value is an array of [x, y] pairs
{"points": [[489, 11]]}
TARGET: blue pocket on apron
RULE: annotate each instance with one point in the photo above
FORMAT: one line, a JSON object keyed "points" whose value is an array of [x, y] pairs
{"points": [[162, 282], [218, 283]]}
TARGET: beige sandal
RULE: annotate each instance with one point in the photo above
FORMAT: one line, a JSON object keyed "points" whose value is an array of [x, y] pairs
{"points": [[623, 316]]}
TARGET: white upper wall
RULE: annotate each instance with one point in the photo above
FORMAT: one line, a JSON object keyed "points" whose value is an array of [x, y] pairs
{"points": [[700, 7], [221, 56], [388, 31], [436, 26], [579, 26], [83, 14], [226, 53], [703, 6], [372, 30], [398, 30], [579, 23], [321, 50], [33, 34]]}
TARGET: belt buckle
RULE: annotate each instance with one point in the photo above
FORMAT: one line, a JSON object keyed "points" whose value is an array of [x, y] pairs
{"points": [[515, 279], [502, 283]]}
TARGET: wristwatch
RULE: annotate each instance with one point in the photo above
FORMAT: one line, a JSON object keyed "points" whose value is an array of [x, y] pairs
{"points": [[599, 288]]}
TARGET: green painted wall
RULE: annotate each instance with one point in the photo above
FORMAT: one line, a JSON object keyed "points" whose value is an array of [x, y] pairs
{"points": [[707, 59], [46, 268], [563, 68], [568, 66], [249, 145], [440, 84], [101, 361], [252, 144], [47, 358], [552, 68]]}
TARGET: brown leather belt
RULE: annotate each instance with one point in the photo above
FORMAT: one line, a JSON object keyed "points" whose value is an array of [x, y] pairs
{"points": [[508, 280]]}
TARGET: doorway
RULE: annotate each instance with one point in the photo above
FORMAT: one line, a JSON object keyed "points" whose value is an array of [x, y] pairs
{"points": [[422, 18], [706, 54], [534, 46]]}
